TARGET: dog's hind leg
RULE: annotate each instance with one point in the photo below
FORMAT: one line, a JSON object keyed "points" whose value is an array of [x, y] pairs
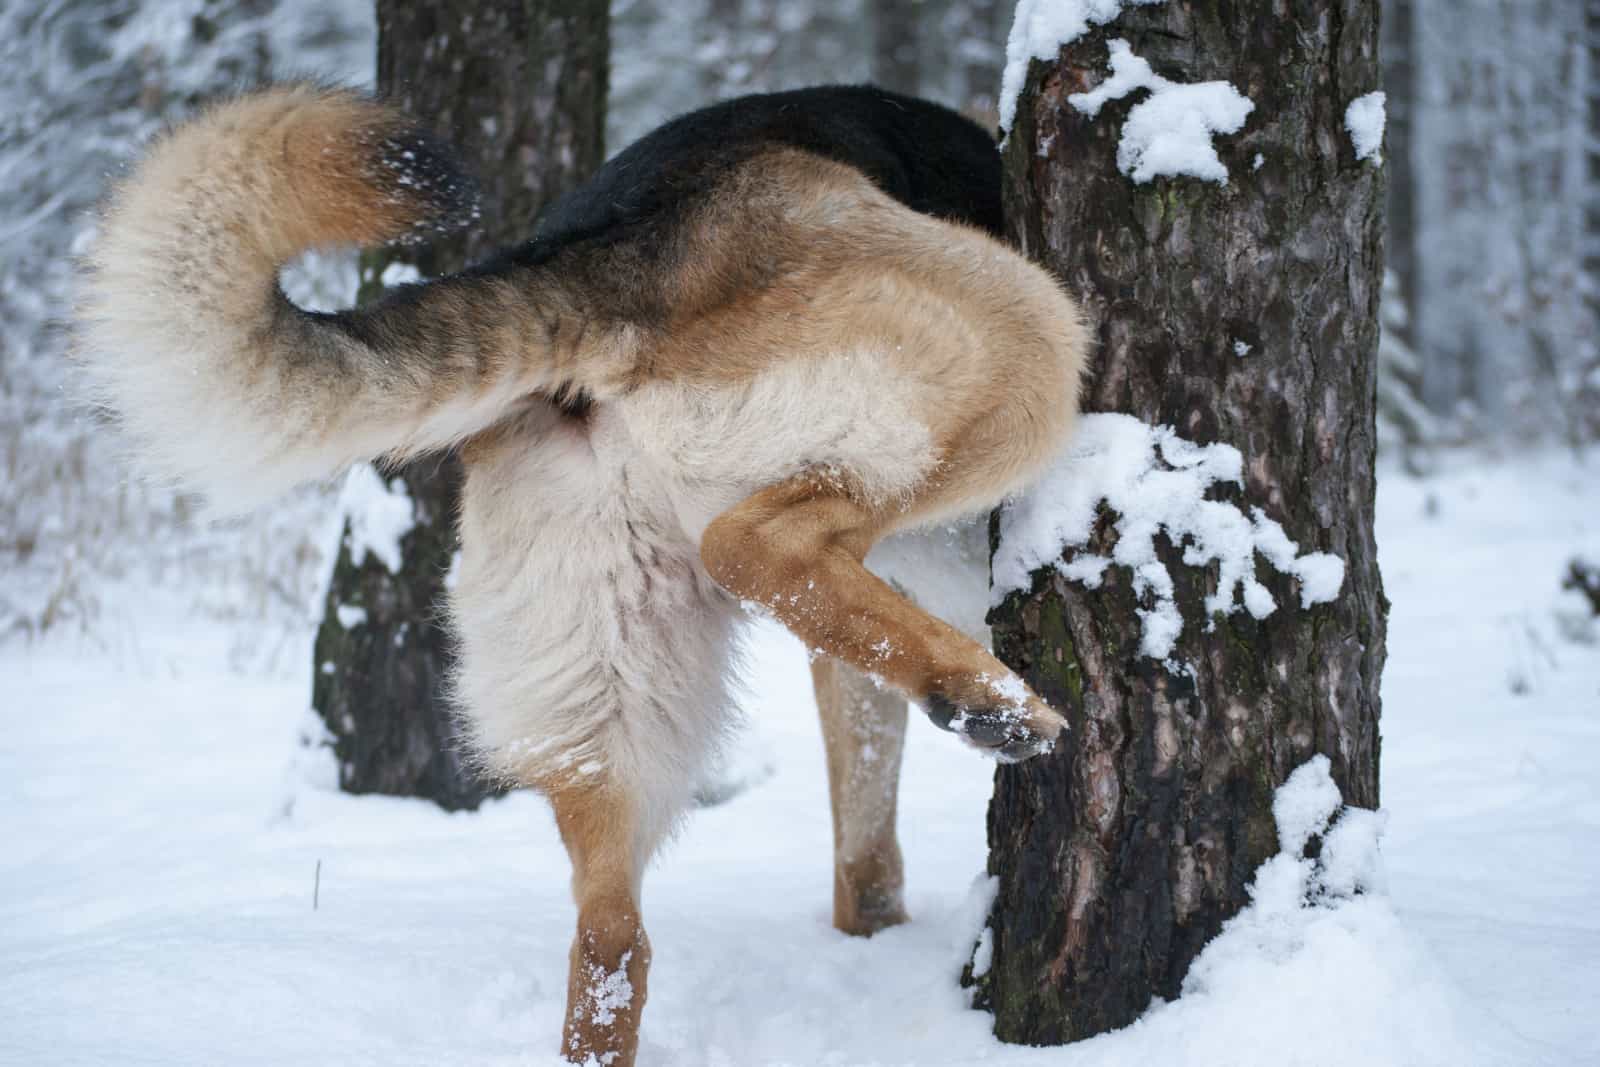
{"points": [[864, 729], [796, 549], [610, 958]]}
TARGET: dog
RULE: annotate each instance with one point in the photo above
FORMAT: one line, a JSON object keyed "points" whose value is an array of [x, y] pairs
{"points": [[772, 337]]}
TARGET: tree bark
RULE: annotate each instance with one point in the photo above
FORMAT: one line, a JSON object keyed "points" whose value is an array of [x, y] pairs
{"points": [[1120, 854], [519, 86]]}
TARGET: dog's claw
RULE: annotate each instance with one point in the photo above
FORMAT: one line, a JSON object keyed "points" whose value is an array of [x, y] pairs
{"points": [[1005, 731]]}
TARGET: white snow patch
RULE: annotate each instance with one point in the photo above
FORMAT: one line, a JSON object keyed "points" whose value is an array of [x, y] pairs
{"points": [[1039, 30], [398, 273], [1241, 348], [380, 515], [1304, 804], [1350, 857], [974, 940], [1364, 118], [983, 955], [350, 616], [1009, 689], [1321, 574], [612, 992], [1155, 482], [202, 882], [1316, 947], [1169, 132], [1088, 570]]}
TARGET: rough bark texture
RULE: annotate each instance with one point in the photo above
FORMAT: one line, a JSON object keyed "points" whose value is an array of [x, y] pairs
{"points": [[519, 86], [1122, 852]]}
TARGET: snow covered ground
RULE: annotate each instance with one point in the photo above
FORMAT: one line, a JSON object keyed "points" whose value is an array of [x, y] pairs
{"points": [[182, 885]]}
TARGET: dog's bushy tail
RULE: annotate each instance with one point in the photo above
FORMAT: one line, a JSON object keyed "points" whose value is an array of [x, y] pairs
{"points": [[221, 382]]}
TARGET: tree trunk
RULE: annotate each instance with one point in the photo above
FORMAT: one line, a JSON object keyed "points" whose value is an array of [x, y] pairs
{"points": [[519, 86], [1400, 86], [1591, 250], [982, 56], [967, 56], [1588, 363], [1120, 854]]}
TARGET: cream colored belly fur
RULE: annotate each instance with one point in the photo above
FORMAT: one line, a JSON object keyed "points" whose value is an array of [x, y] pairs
{"points": [[592, 638]]}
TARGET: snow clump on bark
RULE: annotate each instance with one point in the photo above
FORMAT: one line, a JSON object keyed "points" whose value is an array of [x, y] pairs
{"points": [[1364, 118], [1156, 483], [1039, 30], [1170, 131]]}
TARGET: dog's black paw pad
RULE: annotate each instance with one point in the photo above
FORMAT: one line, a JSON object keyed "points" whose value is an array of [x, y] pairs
{"points": [[1007, 731]]}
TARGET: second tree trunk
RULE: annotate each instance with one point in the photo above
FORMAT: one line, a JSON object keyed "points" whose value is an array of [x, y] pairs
{"points": [[519, 87]]}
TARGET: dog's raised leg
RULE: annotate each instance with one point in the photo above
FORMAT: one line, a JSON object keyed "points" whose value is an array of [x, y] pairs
{"points": [[796, 548], [610, 958], [864, 729]]}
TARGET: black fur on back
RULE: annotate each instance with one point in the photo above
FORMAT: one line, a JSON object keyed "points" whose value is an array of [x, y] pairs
{"points": [[926, 156]]}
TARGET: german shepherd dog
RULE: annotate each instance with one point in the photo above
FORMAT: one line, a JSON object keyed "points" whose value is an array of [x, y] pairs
{"points": [[767, 337]]}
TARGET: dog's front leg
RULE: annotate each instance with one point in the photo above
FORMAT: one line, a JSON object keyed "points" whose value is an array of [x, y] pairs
{"points": [[610, 958]]}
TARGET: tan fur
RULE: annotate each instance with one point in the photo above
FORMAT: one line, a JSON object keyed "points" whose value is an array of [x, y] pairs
{"points": [[325, 159], [863, 729], [609, 963], [796, 549], [794, 371]]}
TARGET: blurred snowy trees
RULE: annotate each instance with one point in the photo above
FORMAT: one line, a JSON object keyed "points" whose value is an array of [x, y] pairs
{"points": [[83, 83], [669, 56], [1493, 160], [1503, 319]]}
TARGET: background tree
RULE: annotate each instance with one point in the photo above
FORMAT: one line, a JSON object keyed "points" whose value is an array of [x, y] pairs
{"points": [[945, 50], [1405, 424], [1122, 853], [896, 57], [1400, 87], [1589, 354], [975, 32], [519, 86], [1497, 137]]}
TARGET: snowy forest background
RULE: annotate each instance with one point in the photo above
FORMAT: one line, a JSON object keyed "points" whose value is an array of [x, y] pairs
{"points": [[166, 820], [1490, 314]]}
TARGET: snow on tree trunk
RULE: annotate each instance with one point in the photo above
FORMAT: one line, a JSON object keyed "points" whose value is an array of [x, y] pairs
{"points": [[519, 86], [1243, 313]]}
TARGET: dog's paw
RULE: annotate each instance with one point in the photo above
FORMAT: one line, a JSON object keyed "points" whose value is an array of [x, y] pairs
{"points": [[1010, 727]]}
